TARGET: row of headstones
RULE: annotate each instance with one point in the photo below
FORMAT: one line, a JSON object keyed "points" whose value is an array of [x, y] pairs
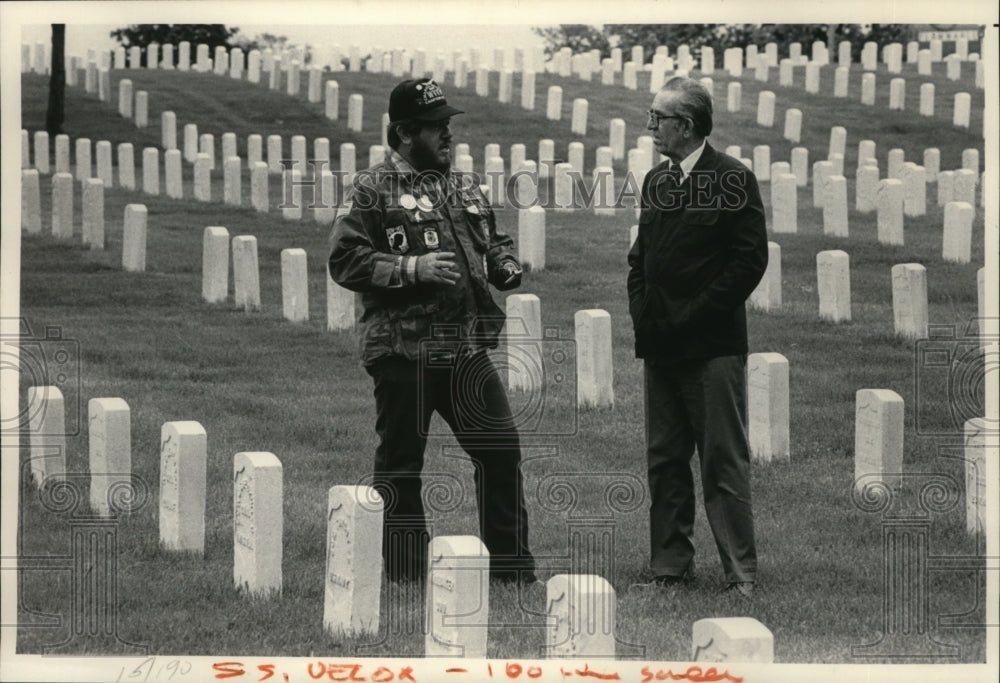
{"points": [[92, 219], [563, 62], [580, 607], [216, 249], [878, 451], [893, 199], [584, 64], [953, 72], [961, 112]]}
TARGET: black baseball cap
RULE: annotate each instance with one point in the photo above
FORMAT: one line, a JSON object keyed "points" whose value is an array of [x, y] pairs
{"points": [[419, 100]]}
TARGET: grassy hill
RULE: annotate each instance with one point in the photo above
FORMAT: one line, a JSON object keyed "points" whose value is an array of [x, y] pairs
{"points": [[258, 383]]}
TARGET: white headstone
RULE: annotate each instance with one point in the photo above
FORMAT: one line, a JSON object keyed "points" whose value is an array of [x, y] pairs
{"points": [[580, 610], [110, 438], [731, 639], [546, 156], [616, 138], [47, 434], [840, 78], [31, 201], [253, 66], [765, 109], [812, 77], [314, 92], [295, 285], [183, 466], [889, 203], [965, 185], [355, 110], [62, 205], [531, 238], [206, 145], [833, 276], [228, 146], [203, 178], [734, 96], [257, 523], [927, 99], [822, 170], [878, 437], [62, 153], [274, 154], [909, 300], [141, 109], [594, 373], [866, 188], [83, 163], [868, 89], [914, 189], [946, 187], [353, 577], [579, 120], [215, 265], [793, 124], [768, 407], [835, 207], [784, 208], [957, 238], [482, 82], [190, 142], [457, 598], [523, 329], [767, 295], [963, 102], [259, 187], [41, 151], [174, 178], [93, 213], [246, 273], [232, 180], [897, 94], [134, 238], [506, 90], [125, 98], [339, 306], [255, 149]]}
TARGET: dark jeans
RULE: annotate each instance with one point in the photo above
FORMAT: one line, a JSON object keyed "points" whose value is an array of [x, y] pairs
{"points": [[699, 404], [468, 394]]}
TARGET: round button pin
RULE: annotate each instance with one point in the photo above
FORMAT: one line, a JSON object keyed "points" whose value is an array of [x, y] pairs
{"points": [[407, 201]]}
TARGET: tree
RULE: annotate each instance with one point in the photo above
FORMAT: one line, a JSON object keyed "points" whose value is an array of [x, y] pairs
{"points": [[55, 114], [141, 35], [264, 41]]}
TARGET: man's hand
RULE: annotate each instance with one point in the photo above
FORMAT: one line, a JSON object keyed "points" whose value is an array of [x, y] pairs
{"points": [[439, 267], [509, 275]]}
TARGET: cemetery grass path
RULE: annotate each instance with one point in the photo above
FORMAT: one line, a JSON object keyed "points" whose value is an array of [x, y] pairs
{"points": [[260, 384]]}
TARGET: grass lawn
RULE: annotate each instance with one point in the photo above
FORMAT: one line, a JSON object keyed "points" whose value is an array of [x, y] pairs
{"points": [[259, 383]]}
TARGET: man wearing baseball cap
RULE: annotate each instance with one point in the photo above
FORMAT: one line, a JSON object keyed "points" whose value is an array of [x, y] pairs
{"points": [[422, 247]]}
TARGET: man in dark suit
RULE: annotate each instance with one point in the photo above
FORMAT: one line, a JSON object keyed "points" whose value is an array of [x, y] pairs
{"points": [[700, 252]]}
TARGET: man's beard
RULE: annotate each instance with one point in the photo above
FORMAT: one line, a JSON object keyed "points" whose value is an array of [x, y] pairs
{"points": [[424, 158]]}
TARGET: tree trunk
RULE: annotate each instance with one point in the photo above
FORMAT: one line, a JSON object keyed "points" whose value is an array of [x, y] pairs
{"points": [[57, 82]]}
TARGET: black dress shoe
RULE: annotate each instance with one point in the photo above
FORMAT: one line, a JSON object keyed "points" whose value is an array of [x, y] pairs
{"points": [[742, 588]]}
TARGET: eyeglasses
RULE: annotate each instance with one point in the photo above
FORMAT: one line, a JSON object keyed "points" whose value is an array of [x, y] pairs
{"points": [[654, 117]]}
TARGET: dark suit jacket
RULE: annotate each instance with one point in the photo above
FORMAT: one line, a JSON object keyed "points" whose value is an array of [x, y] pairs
{"points": [[700, 252]]}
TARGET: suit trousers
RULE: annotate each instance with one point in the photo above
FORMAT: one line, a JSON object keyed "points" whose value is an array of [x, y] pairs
{"points": [[467, 392], [699, 404]]}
